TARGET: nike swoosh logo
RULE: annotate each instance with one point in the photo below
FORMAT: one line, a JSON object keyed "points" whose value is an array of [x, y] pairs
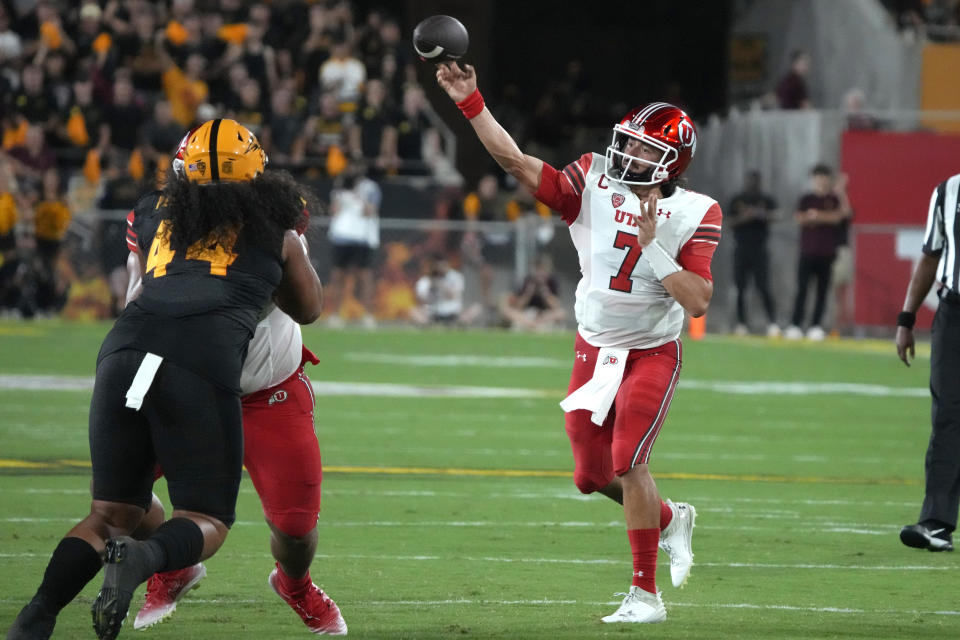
{"points": [[936, 531]]}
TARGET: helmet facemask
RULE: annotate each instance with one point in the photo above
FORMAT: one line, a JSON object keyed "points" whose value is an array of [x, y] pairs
{"points": [[628, 169]]}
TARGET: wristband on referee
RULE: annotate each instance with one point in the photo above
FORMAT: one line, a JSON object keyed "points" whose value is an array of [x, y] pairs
{"points": [[662, 263], [906, 319], [472, 105]]}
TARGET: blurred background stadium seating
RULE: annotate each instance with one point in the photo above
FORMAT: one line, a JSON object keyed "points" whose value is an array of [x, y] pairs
{"points": [[96, 95]]}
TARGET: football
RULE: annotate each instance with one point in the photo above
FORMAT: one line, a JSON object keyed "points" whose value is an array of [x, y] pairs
{"points": [[440, 38]]}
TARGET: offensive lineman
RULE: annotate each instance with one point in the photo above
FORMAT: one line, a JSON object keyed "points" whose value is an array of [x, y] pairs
{"points": [[168, 375], [280, 452], [645, 247]]}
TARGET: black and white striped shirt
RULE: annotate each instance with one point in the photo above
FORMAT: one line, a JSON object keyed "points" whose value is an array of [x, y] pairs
{"points": [[942, 237]]}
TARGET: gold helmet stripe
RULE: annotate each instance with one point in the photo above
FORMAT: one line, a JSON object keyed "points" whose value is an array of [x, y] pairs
{"points": [[214, 161]]}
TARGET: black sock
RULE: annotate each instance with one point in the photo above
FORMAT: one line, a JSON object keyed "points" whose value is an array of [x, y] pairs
{"points": [[73, 564], [933, 525], [180, 541]]}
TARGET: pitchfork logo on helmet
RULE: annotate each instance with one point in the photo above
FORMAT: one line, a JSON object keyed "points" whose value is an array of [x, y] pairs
{"points": [[661, 126], [219, 150]]}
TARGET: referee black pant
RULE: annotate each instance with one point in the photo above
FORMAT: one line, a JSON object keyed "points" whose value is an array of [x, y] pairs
{"points": [[943, 453]]}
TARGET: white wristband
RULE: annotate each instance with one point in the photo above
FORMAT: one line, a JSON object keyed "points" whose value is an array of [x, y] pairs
{"points": [[662, 263]]}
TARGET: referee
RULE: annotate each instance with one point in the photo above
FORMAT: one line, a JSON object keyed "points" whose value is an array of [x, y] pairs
{"points": [[938, 515]]}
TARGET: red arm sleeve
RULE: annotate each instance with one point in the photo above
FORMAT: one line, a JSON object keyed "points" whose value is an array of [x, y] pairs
{"points": [[562, 191], [697, 253], [131, 234]]}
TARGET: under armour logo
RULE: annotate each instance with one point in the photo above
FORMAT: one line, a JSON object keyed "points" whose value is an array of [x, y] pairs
{"points": [[581, 356], [279, 396], [638, 574]]}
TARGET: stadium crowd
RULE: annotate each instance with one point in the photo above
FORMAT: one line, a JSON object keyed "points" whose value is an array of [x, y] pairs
{"points": [[96, 96]]}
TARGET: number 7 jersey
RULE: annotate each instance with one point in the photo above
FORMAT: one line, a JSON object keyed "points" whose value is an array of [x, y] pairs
{"points": [[619, 301]]}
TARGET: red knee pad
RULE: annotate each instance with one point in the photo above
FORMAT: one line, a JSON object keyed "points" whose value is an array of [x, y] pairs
{"points": [[294, 523]]}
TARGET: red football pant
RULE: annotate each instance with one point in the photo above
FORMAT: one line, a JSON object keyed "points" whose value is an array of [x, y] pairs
{"points": [[282, 455], [627, 436]]}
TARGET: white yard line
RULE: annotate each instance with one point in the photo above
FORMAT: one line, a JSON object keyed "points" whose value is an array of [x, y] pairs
{"points": [[820, 528], [328, 388], [542, 495], [188, 601], [573, 561]]}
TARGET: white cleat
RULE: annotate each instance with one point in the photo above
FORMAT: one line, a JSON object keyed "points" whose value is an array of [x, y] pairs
{"points": [[639, 606], [677, 539]]}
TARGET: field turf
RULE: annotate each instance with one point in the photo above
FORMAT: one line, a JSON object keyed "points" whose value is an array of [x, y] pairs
{"points": [[449, 511]]}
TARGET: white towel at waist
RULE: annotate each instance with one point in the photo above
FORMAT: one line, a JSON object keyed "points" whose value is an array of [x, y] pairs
{"points": [[598, 393]]}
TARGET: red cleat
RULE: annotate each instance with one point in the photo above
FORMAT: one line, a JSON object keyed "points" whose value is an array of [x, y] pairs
{"points": [[163, 591], [318, 610]]}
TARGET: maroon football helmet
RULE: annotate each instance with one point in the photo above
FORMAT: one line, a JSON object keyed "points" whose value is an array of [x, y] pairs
{"points": [[659, 125]]}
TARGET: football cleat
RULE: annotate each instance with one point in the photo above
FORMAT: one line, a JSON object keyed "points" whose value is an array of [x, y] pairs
{"points": [[163, 592], [34, 622], [920, 536], [127, 566], [677, 539], [317, 610], [639, 606]]}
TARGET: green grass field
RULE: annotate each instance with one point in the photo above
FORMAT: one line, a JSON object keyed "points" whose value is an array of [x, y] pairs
{"points": [[449, 511]]}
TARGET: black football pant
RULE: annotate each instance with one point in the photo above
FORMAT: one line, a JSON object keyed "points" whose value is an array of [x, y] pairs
{"points": [[943, 453], [752, 262], [818, 267], [188, 426]]}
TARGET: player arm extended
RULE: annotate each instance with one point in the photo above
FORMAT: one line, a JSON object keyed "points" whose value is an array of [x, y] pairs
{"points": [[460, 85]]}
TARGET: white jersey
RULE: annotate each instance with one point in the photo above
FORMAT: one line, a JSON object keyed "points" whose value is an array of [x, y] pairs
{"points": [[350, 223], [620, 302], [274, 353]]}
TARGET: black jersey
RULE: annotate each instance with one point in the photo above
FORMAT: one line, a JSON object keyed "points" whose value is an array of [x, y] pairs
{"points": [[200, 305]]}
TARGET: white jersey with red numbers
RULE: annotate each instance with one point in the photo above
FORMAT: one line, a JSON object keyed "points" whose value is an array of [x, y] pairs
{"points": [[620, 302]]}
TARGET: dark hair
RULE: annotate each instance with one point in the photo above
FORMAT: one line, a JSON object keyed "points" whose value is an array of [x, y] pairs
{"points": [[821, 170], [668, 187], [264, 208]]}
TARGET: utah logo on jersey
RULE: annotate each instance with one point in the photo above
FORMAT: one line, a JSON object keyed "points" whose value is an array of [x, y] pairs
{"points": [[617, 199]]}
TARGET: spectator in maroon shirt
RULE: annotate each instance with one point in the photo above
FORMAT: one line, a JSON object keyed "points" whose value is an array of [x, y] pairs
{"points": [[792, 90], [32, 159], [823, 215]]}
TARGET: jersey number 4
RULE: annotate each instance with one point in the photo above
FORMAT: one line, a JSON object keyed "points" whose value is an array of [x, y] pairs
{"points": [[219, 255], [623, 281]]}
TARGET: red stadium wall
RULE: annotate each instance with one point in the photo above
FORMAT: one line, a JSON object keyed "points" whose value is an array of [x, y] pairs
{"points": [[891, 177]]}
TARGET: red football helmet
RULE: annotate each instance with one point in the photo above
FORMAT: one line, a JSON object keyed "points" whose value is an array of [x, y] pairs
{"points": [[177, 161], [659, 125]]}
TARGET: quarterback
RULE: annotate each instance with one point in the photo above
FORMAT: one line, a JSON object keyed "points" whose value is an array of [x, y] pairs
{"points": [[645, 245]]}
